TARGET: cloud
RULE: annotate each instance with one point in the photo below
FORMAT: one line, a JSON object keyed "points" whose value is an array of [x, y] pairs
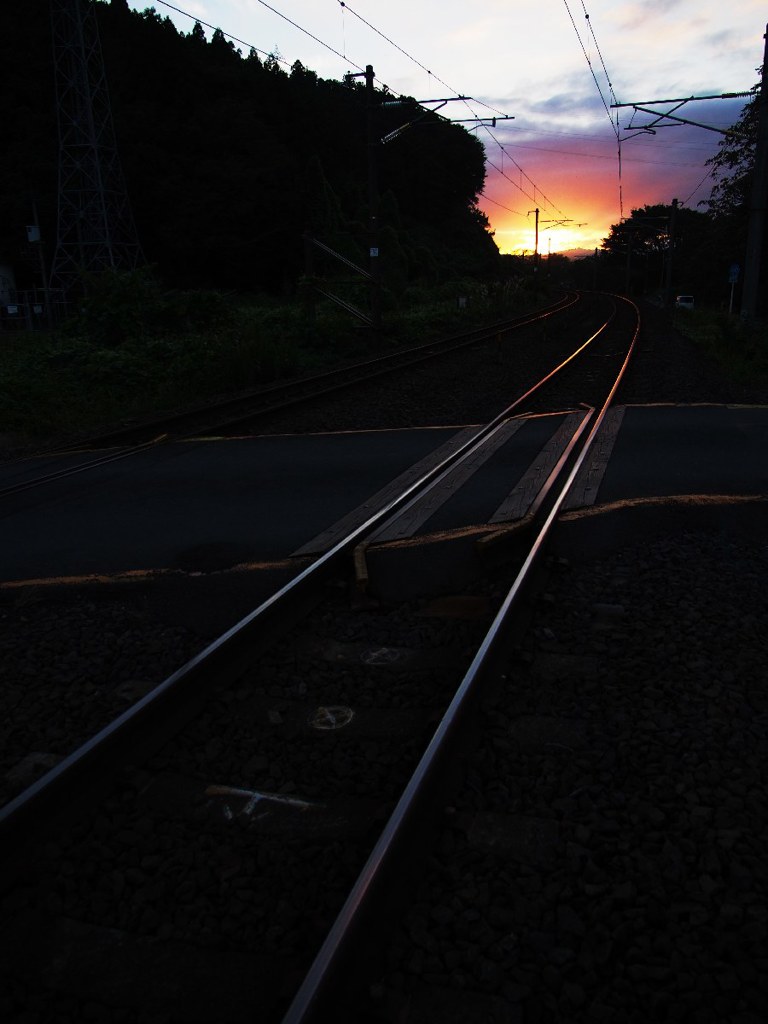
{"points": [[642, 15]]}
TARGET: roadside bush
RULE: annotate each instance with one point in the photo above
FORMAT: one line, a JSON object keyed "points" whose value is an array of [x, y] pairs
{"points": [[122, 306], [740, 348]]}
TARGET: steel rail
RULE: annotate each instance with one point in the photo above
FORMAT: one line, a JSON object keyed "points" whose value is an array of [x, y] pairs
{"points": [[355, 918], [62, 474], [126, 734], [496, 424]]}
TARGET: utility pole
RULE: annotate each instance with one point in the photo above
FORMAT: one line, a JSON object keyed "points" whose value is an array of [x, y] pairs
{"points": [[536, 250], [34, 237], [95, 230], [670, 255], [759, 202], [374, 141]]}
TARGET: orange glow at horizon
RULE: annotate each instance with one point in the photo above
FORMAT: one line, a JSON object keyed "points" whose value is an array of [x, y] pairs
{"points": [[514, 240], [588, 197], [587, 206]]}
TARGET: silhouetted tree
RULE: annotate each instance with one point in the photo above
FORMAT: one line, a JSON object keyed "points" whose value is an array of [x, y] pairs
{"points": [[637, 251], [733, 163]]}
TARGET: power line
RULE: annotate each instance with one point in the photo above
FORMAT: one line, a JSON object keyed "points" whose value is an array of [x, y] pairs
{"points": [[388, 40], [346, 8], [615, 128], [589, 63], [597, 47], [518, 186], [542, 195], [690, 197], [281, 60], [302, 29], [215, 28], [590, 138], [423, 67], [601, 156], [495, 202]]}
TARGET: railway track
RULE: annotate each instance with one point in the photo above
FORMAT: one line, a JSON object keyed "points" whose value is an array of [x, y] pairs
{"points": [[331, 750]]}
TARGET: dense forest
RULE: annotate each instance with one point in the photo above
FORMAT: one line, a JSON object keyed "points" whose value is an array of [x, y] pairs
{"points": [[230, 158]]}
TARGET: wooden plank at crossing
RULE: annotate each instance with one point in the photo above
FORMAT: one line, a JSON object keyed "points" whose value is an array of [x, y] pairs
{"points": [[412, 518], [324, 541], [520, 499], [587, 483]]}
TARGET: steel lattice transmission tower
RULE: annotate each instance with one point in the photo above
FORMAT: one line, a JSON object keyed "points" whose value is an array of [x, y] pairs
{"points": [[96, 231]]}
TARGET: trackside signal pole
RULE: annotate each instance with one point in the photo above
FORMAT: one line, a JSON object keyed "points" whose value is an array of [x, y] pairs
{"points": [[536, 250], [373, 202], [670, 254], [374, 141]]}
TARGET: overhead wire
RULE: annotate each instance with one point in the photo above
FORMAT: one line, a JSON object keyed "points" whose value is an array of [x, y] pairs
{"points": [[215, 28], [302, 29], [603, 156], [538, 195], [391, 42], [600, 55], [415, 60], [592, 138], [541, 198], [418, 63], [516, 184], [533, 198], [614, 127], [251, 46], [690, 197], [589, 61], [502, 205]]}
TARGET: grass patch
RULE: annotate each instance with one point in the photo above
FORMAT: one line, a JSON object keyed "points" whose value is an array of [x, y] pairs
{"points": [[135, 350], [741, 349], [65, 382]]}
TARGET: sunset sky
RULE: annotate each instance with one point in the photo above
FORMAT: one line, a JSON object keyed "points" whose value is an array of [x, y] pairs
{"points": [[543, 62]]}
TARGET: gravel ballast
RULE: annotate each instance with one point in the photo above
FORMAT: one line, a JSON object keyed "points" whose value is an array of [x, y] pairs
{"points": [[234, 846], [69, 668], [606, 859]]}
